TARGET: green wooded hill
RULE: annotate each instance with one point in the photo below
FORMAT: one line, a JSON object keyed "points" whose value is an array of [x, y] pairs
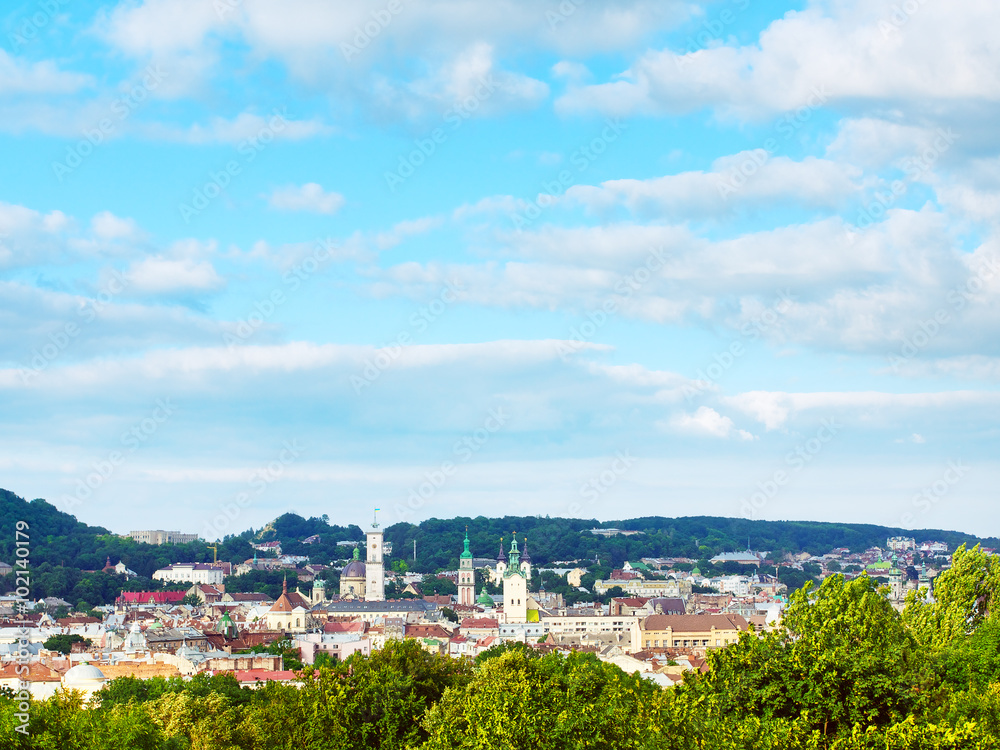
{"points": [[62, 547], [439, 541]]}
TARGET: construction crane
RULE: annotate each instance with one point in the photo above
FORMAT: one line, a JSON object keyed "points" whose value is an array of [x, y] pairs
{"points": [[215, 552]]}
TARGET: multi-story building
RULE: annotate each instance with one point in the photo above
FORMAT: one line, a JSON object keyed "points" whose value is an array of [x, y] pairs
{"points": [[595, 630], [641, 587], [735, 585], [159, 536], [901, 543], [698, 632], [190, 573], [934, 548]]}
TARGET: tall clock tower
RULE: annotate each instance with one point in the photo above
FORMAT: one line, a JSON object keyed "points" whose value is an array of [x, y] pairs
{"points": [[375, 573], [466, 575]]}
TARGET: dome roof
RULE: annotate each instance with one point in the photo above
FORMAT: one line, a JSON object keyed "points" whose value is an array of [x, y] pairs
{"points": [[353, 569], [485, 599], [83, 674]]}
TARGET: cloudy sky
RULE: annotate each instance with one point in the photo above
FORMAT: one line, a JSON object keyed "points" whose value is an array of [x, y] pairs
{"points": [[452, 257]]}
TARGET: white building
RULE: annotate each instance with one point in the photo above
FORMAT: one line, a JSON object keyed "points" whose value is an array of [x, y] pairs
{"points": [[735, 585], [934, 548], [190, 573], [641, 587], [901, 543], [159, 536], [514, 574], [622, 629], [374, 565]]}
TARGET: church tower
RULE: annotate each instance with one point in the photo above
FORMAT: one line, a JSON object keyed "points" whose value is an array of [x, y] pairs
{"points": [[466, 576], [515, 588], [375, 586]]}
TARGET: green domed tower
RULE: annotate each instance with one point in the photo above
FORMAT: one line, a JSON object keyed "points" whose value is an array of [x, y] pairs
{"points": [[466, 575]]}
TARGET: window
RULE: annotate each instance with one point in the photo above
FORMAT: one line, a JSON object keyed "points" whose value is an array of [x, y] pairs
{"points": [[717, 642]]}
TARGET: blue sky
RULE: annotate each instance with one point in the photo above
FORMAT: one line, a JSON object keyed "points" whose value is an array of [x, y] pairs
{"points": [[567, 258]]}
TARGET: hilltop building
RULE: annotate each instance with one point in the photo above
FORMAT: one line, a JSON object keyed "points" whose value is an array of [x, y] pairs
{"points": [[190, 573], [159, 536]]}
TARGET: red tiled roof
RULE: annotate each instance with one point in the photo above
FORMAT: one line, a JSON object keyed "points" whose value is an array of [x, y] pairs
{"points": [[36, 672], [632, 601], [426, 631], [694, 623], [345, 627], [155, 597], [440, 599], [480, 622], [250, 597], [265, 675]]}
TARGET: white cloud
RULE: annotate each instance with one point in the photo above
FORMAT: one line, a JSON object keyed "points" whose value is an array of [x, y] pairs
{"points": [[751, 177], [161, 275], [851, 52], [707, 422], [775, 409], [23, 77], [246, 126], [106, 226], [308, 197]]}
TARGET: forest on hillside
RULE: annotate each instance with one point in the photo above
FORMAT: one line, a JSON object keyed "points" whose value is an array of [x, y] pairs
{"points": [[846, 672], [63, 549]]}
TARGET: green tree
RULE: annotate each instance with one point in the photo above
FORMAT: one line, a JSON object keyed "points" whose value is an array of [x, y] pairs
{"points": [[515, 701], [63, 642]]}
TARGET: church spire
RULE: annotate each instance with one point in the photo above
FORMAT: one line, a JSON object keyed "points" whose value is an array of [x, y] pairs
{"points": [[502, 557], [466, 554], [284, 585]]}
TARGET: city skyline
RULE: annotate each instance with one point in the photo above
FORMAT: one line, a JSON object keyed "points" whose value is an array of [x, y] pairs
{"points": [[654, 259]]}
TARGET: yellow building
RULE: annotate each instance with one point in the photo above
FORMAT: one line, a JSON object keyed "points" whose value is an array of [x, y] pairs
{"points": [[699, 632], [290, 613], [354, 578]]}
